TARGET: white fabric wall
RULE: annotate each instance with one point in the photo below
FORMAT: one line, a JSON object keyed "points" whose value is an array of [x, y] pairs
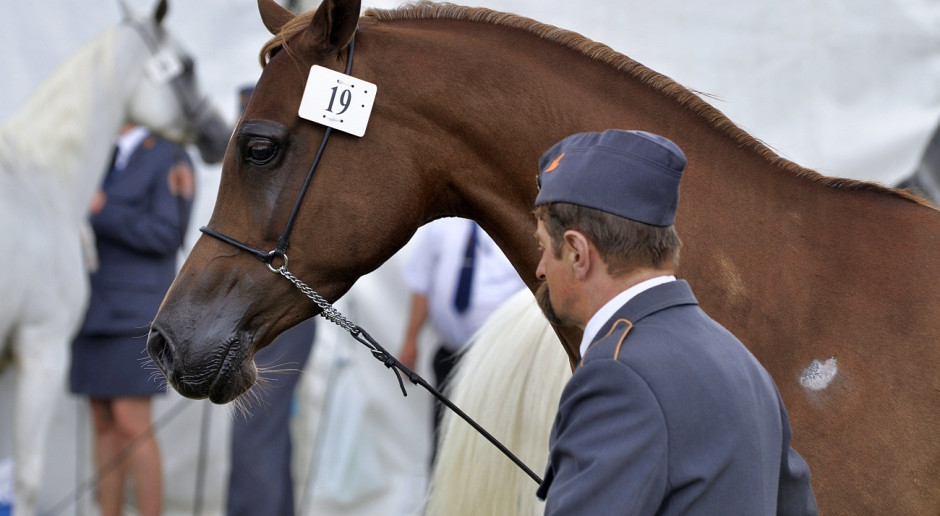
{"points": [[847, 88]]}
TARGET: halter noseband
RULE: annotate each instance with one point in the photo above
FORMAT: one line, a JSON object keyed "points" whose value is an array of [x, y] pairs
{"points": [[284, 240]]}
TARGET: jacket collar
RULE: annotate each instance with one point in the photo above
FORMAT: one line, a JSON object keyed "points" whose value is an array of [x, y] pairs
{"points": [[649, 301]]}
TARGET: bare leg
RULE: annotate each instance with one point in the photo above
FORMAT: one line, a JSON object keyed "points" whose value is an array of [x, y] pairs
{"points": [[108, 445], [133, 422]]}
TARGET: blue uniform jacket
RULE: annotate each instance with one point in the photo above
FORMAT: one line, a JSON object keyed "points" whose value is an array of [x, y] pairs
{"points": [[670, 414], [138, 235]]}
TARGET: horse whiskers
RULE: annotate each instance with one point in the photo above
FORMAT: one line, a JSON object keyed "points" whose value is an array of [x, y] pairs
{"points": [[240, 407], [281, 369], [156, 375], [252, 398]]}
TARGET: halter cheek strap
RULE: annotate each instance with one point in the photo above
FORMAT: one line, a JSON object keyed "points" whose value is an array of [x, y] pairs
{"points": [[282, 243], [193, 112]]}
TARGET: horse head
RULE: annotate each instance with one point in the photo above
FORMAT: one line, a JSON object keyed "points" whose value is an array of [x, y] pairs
{"points": [[168, 97], [242, 305]]}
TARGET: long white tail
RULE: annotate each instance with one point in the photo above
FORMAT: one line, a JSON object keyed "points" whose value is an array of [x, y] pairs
{"points": [[509, 381]]}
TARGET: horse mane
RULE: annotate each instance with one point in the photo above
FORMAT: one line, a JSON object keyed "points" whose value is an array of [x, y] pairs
{"points": [[470, 475], [427, 10]]}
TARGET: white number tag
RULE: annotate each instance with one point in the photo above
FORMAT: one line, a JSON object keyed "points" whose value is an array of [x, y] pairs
{"points": [[164, 66], [337, 100]]}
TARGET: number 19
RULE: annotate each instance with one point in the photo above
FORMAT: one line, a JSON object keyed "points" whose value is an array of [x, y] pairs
{"points": [[345, 98]]}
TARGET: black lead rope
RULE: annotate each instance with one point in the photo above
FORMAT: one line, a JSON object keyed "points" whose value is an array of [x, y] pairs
{"points": [[333, 315], [393, 363]]}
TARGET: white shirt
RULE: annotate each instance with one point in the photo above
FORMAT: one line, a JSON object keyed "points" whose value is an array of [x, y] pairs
{"points": [[607, 311], [432, 270], [127, 143]]}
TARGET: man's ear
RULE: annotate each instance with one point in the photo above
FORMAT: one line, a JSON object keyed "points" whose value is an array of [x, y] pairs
{"points": [[578, 252]]}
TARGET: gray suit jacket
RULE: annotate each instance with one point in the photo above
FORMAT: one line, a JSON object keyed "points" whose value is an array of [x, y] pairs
{"points": [[670, 414]]}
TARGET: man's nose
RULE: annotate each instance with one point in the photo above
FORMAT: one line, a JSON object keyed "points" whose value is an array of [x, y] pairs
{"points": [[540, 272]]}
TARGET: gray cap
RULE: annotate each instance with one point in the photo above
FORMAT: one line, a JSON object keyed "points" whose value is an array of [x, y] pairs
{"points": [[631, 174]]}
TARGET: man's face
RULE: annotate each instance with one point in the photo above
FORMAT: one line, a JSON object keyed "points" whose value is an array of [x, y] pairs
{"points": [[553, 294]]}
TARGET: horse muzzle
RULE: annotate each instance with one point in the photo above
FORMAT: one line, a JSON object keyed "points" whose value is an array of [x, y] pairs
{"points": [[220, 372], [212, 134]]}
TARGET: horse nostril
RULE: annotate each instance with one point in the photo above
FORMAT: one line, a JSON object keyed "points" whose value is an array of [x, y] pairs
{"points": [[161, 352]]}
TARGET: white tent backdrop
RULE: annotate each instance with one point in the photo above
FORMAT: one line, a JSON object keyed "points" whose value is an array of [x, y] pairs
{"points": [[847, 88]]}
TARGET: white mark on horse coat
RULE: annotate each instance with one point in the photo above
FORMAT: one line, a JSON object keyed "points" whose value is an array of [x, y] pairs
{"points": [[818, 375]]}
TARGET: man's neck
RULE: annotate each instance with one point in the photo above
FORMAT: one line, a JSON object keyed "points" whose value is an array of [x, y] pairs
{"points": [[606, 287]]}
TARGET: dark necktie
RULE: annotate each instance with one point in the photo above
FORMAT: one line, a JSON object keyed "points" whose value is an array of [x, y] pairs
{"points": [[465, 279], [112, 170]]}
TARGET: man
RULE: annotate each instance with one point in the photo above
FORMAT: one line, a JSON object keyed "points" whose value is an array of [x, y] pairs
{"points": [[667, 412]]}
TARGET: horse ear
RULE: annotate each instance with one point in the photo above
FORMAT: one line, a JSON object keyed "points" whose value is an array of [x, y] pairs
{"points": [[335, 23], [273, 15], [159, 12]]}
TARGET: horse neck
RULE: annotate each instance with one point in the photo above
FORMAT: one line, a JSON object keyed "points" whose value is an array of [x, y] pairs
{"points": [[490, 100], [500, 98], [61, 138]]}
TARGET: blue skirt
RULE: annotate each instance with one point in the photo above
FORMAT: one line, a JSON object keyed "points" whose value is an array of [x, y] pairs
{"points": [[113, 367]]}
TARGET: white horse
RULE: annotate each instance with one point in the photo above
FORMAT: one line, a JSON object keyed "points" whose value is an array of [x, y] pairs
{"points": [[509, 380], [53, 154]]}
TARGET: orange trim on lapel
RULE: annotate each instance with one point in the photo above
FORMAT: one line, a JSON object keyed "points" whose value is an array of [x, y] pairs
{"points": [[619, 342], [622, 335]]}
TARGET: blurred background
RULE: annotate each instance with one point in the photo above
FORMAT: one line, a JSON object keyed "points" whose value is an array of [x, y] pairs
{"points": [[850, 89]]}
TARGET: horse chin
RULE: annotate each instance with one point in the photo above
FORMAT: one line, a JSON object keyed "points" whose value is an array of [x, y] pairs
{"points": [[232, 382]]}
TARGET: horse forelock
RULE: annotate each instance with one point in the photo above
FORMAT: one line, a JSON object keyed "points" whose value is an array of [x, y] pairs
{"points": [[689, 99]]}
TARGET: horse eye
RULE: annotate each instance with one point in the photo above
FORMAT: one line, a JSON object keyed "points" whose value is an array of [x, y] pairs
{"points": [[260, 151]]}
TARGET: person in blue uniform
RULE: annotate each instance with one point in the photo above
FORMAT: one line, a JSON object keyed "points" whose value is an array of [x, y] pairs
{"points": [[667, 412], [139, 218]]}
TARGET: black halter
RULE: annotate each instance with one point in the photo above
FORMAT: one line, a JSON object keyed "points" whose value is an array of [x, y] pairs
{"points": [[284, 240], [333, 315]]}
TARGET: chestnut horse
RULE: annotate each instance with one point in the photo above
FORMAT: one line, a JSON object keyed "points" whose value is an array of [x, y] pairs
{"points": [[831, 283]]}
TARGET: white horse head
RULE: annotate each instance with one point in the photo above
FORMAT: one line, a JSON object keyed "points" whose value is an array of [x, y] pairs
{"points": [[167, 97]]}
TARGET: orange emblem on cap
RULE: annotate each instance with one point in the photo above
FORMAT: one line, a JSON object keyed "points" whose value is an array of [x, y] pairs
{"points": [[555, 163]]}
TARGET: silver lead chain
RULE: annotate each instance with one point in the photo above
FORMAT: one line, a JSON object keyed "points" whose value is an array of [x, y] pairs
{"points": [[327, 310], [333, 315]]}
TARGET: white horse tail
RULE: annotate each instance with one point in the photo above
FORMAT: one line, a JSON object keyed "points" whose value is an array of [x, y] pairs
{"points": [[509, 380]]}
